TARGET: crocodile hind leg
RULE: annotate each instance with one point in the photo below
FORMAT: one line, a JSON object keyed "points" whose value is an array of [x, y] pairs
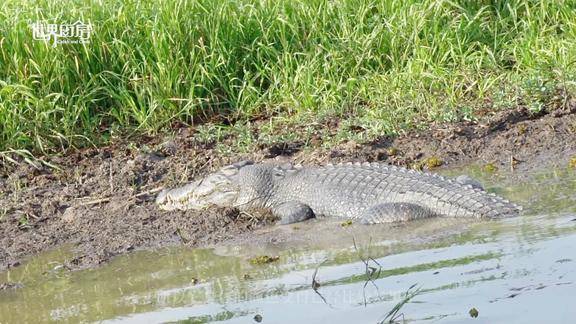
{"points": [[292, 212], [394, 212]]}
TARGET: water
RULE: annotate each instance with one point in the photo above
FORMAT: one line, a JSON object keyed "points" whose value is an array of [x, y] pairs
{"points": [[521, 269]]}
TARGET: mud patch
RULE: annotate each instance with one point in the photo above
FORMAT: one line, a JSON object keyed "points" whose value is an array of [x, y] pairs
{"points": [[101, 201], [11, 286], [514, 140]]}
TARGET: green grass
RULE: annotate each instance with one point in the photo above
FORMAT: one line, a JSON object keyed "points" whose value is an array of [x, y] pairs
{"points": [[383, 65]]}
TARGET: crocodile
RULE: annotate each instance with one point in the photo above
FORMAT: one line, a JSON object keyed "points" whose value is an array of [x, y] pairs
{"points": [[368, 192]]}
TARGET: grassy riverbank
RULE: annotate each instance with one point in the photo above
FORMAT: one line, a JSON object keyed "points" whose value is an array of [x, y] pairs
{"points": [[257, 69]]}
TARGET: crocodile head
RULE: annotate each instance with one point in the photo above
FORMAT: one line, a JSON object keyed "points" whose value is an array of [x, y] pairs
{"points": [[216, 189]]}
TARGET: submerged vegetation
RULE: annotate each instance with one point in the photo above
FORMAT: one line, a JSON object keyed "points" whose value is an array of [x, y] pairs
{"points": [[224, 66], [394, 314], [263, 259]]}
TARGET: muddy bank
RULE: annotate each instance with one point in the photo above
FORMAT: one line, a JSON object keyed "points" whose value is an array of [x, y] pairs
{"points": [[101, 200]]}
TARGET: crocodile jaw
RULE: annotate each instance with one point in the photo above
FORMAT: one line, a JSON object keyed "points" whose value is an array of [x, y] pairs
{"points": [[216, 189]]}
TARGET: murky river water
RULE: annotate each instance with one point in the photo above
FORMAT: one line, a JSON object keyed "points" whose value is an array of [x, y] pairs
{"points": [[515, 270]]}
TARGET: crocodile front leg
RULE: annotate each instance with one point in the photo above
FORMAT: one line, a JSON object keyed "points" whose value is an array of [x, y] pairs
{"points": [[292, 212], [394, 212]]}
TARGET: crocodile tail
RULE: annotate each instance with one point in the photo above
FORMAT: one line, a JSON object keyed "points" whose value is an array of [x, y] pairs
{"points": [[452, 198], [440, 195]]}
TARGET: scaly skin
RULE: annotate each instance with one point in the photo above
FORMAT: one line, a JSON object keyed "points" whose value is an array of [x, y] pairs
{"points": [[367, 192]]}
